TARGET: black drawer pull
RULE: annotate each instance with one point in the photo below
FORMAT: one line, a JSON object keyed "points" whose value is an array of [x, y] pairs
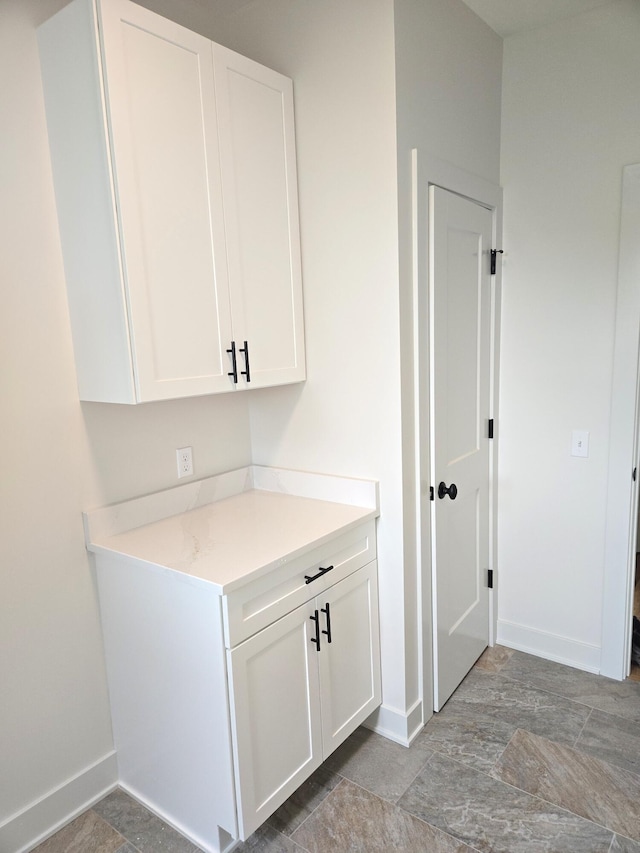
{"points": [[316, 639], [247, 371], [234, 362], [325, 610], [321, 571]]}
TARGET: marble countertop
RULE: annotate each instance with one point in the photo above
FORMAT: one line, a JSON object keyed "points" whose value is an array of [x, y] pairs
{"points": [[231, 529]]}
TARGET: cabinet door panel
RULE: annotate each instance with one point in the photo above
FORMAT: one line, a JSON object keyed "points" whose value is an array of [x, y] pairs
{"points": [[350, 664], [161, 104], [275, 707], [259, 182]]}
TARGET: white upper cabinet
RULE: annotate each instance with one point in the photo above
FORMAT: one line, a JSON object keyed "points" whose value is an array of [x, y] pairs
{"points": [[177, 205]]}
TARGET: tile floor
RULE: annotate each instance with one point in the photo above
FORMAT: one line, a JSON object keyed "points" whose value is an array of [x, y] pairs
{"points": [[528, 756]]}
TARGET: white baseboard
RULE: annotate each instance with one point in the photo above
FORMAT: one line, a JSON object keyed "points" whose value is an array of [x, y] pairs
{"points": [[550, 646], [399, 726], [223, 843], [45, 816]]}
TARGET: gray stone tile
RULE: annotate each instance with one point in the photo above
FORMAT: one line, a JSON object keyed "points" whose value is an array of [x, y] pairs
{"points": [[266, 839], [352, 819], [493, 658], [624, 845], [126, 848], [612, 739], [573, 780], [484, 697], [139, 826], [492, 816], [621, 698], [88, 833], [461, 735], [305, 800], [381, 766]]}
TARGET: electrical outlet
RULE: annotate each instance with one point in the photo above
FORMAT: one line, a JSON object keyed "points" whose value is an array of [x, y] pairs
{"points": [[184, 457]]}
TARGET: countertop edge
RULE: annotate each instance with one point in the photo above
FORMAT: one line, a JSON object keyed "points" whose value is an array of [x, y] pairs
{"points": [[101, 550]]}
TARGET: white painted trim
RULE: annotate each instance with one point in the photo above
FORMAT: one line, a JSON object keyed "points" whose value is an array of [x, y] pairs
{"points": [[428, 170], [400, 726], [59, 806], [622, 495], [549, 646], [224, 842]]}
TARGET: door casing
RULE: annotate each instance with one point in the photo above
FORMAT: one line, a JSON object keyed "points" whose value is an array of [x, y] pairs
{"points": [[622, 493], [427, 170]]}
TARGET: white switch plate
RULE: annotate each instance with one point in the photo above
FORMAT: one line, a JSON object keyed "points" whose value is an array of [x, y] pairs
{"points": [[580, 442], [184, 457]]}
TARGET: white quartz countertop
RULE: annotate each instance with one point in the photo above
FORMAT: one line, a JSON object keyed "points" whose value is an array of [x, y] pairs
{"points": [[232, 540]]}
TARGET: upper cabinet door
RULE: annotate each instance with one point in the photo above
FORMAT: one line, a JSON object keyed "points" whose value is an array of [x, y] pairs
{"points": [[260, 195], [160, 104]]}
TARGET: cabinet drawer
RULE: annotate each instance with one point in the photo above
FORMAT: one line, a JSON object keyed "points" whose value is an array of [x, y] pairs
{"points": [[260, 602]]}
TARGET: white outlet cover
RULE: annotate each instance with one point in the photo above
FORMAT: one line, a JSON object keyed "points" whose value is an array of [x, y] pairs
{"points": [[184, 458]]}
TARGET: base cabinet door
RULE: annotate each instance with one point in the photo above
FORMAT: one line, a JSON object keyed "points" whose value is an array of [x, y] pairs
{"points": [[350, 687], [298, 688], [275, 712]]}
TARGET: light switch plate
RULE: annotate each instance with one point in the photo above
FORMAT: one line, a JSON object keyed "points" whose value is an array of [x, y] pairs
{"points": [[580, 442]]}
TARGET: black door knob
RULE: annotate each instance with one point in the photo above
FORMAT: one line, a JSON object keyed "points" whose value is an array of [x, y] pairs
{"points": [[452, 491]]}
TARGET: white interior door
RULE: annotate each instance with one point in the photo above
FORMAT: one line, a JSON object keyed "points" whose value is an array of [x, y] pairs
{"points": [[460, 317]]}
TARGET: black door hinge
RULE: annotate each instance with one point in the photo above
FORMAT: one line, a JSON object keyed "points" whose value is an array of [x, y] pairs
{"points": [[490, 428], [633, 476], [494, 255], [432, 497], [490, 578]]}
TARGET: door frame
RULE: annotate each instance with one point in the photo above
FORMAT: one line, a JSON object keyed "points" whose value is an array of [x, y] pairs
{"points": [[428, 170], [622, 492]]}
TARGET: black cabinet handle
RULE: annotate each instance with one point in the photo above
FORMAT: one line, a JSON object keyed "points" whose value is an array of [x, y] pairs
{"points": [[316, 639], [247, 372], [234, 363], [452, 491], [325, 610], [321, 571]]}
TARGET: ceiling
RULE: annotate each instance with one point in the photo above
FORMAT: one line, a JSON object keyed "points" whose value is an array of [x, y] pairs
{"points": [[506, 17], [511, 16]]}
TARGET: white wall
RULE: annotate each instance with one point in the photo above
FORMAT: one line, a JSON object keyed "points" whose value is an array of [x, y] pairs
{"points": [[448, 76], [356, 124], [571, 120], [449, 67], [59, 457], [346, 417]]}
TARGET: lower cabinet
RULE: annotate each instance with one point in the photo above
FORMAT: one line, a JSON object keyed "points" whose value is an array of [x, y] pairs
{"points": [[298, 688], [224, 701]]}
